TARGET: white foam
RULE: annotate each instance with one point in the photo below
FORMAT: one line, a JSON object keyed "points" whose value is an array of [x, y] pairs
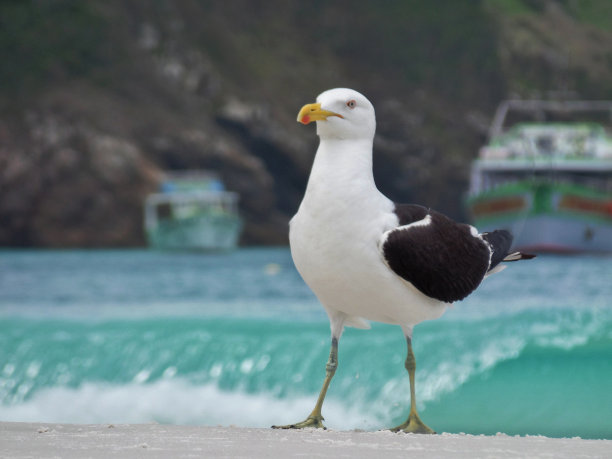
{"points": [[176, 401]]}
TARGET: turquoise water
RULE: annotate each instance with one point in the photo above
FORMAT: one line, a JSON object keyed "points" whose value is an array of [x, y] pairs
{"points": [[139, 336]]}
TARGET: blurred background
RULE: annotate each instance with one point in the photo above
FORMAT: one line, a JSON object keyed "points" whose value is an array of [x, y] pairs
{"points": [[99, 98], [102, 101]]}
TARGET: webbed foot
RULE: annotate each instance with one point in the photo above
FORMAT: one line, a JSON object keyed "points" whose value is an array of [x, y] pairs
{"points": [[413, 425], [314, 422]]}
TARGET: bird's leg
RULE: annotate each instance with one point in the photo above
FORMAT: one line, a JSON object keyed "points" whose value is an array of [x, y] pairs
{"points": [[413, 424], [315, 419]]}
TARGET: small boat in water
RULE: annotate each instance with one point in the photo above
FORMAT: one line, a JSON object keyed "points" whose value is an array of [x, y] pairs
{"points": [[548, 181], [192, 211]]}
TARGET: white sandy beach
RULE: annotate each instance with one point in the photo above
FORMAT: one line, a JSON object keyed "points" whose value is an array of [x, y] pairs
{"points": [[74, 441]]}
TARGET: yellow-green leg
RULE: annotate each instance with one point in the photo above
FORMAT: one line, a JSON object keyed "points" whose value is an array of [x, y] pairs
{"points": [[315, 419], [413, 424]]}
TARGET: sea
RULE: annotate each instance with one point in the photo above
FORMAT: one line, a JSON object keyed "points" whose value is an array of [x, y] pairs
{"points": [[139, 336]]}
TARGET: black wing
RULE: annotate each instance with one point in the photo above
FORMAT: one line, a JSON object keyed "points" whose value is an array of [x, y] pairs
{"points": [[445, 260], [410, 213], [500, 242]]}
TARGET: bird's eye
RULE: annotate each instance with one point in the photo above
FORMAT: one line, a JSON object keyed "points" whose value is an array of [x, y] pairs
{"points": [[351, 104]]}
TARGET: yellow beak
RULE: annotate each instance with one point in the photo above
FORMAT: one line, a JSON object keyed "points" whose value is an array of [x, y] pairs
{"points": [[314, 112]]}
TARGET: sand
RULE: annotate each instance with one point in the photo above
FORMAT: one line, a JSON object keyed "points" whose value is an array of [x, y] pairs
{"points": [[31, 440]]}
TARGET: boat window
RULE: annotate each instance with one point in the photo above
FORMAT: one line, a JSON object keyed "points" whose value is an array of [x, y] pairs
{"points": [[545, 144], [163, 210]]}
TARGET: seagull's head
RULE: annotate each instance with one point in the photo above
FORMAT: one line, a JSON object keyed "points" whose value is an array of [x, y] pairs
{"points": [[341, 113]]}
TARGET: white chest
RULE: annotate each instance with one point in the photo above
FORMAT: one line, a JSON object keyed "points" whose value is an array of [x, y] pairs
{"points": [[334, 239]]}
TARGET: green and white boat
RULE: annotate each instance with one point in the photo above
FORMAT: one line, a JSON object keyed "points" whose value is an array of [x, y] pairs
{"points": [[192, 211], [549, 182]]}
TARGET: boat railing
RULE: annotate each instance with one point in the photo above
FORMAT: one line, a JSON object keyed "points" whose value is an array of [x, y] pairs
{"points": [[541, 107], [541, 140]]}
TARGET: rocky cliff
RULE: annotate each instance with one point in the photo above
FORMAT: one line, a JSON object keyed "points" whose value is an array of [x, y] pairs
{"points": [[98, 98]]}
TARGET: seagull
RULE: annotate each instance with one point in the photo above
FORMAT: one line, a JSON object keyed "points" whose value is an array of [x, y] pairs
{"points": [[367, 258]]}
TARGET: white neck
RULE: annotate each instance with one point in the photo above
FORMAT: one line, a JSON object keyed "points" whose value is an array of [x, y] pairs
{"points": [[342, 167], [341, 191]]}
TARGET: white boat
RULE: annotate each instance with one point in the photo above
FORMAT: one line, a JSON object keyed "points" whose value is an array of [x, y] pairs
{"points": [[548, 182], [192, 212]]}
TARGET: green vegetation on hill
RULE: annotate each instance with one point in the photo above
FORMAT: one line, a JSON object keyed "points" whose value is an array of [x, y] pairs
{"points": [[98, 97], [43, 42]]}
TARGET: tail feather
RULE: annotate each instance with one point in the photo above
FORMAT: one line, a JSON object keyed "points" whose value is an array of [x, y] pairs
{"points": [[495, 270], [516, 256], [500, 242]]}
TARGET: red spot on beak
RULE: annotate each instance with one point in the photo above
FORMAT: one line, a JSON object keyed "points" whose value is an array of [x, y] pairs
{"points": [[305, 119]]}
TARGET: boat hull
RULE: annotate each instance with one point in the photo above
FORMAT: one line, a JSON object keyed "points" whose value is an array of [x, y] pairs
{"points": [[546, 217], [555, 234], [207, 233]]}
